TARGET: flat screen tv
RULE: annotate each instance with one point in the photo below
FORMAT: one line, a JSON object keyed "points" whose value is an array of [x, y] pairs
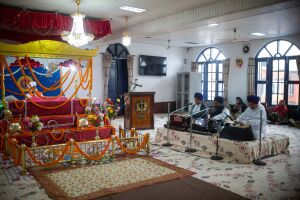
{"points": [[152, 65]]}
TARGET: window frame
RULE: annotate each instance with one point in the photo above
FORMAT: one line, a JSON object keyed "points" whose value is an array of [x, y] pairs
{"points": [[269, 75], [205, 64]]}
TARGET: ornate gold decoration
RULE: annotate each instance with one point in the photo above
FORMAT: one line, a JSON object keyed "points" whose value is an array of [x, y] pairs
{"points": [[49, 156], [141, 106]]}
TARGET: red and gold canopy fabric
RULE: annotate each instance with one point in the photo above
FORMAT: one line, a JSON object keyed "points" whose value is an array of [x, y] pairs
{"points": [[24, 26]]}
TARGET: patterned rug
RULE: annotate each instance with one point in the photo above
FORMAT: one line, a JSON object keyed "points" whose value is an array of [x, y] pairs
{"points": [[94, 181]]}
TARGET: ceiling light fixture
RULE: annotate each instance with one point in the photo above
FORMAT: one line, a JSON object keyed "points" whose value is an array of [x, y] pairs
{"points": [[126, 39], [258, 34], [213, 24], [77, 37], [132, 9]]}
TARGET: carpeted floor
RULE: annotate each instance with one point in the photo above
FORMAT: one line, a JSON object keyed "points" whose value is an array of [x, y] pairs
{"points": [[94, 181], [280, 179]]}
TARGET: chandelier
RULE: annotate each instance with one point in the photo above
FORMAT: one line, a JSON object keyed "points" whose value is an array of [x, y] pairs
{"points": [[77, 37], [126, 39]]}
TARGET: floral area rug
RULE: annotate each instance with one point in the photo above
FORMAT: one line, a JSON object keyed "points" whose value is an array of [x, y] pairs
{"points": [[90, 182]]}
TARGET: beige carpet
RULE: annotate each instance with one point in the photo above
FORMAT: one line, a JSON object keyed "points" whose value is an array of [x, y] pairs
{"points": [[99, 180]]}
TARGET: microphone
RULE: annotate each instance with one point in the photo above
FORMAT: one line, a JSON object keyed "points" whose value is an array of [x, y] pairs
{"points": [[230, 117], [139, 85]]}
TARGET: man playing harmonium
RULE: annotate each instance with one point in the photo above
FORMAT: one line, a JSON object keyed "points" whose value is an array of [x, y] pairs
{"points": [[247, 125], [199, 117]]}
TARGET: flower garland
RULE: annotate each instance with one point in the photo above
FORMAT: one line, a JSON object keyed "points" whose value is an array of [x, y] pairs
{"points": [[133, 151], [60, 158], [55, 138], [19, 107], [63, 92], [61, 81], [93, 158], [85, 104]]}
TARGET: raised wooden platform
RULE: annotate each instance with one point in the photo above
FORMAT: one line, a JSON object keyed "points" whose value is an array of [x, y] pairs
{"points": [[232, 151]]}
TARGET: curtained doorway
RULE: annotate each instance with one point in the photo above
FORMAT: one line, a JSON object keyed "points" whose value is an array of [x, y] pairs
{"points": [[118, 74]]}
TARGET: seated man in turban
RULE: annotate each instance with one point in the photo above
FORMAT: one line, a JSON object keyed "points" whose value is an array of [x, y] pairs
{"points": [[252, 116], [218, 114], [220, 111], [199, 117], [33, 90]]}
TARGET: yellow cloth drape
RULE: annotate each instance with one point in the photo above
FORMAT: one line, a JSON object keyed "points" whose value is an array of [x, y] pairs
{"points": [[46, 49]]}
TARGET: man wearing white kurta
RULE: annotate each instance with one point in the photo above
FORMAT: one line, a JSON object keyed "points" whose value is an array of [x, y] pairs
{"points": [[251, 116]]}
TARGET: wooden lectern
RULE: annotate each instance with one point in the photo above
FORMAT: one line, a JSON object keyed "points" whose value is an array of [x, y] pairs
{"points": [[139, 110]]}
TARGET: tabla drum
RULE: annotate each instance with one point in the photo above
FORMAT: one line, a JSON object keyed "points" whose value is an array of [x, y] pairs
{"points": [[238, 133]]}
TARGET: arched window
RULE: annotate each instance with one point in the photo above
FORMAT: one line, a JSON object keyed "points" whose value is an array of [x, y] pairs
{"points": [[211, 67], [277, 74]]}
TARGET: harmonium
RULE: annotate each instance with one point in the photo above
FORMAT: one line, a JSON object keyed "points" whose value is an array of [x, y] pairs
{"points": [[179, 121]]}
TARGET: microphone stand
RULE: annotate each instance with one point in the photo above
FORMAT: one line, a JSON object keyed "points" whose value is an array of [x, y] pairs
{"points": [[216, 156], [259, 161], [129, 94], [190, 149], [168, 144]]}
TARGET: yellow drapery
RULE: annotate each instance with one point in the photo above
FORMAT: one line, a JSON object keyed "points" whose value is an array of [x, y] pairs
{"points": [[46, 49]]}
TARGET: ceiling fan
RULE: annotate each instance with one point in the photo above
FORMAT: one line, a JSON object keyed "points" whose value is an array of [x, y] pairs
{"points": [[169, 47]]}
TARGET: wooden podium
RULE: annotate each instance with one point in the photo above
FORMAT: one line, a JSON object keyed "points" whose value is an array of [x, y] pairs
{"points": [[139, 110]]}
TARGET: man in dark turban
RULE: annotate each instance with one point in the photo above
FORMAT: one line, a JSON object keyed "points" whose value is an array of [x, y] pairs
{"points": [[253, 99], [200, 118], [219, 109], [252, 115]]}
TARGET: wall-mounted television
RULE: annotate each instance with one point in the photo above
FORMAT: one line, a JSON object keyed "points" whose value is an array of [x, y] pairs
{"points": [[152, 65]]}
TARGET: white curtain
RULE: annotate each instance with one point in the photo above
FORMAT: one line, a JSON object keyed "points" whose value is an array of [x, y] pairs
{"points": [[106, 62], [226, 64], [194, 67], [130, 59], [251, 77]]}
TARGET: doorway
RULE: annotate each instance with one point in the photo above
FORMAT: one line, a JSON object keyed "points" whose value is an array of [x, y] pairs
{"points": [[118, 74]]}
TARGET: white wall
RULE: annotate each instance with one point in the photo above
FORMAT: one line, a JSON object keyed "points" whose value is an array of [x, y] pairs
{"points": [[163, 86], [237, 83]]}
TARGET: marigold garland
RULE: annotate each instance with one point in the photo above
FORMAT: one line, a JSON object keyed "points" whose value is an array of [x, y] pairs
{"points": [[55, 107], [133, 151], [19, 107], [53, 137], [93, 158], [60, 82], [60, 158], [32, 73], [44, 97], [12, 92], [83, 104]]}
